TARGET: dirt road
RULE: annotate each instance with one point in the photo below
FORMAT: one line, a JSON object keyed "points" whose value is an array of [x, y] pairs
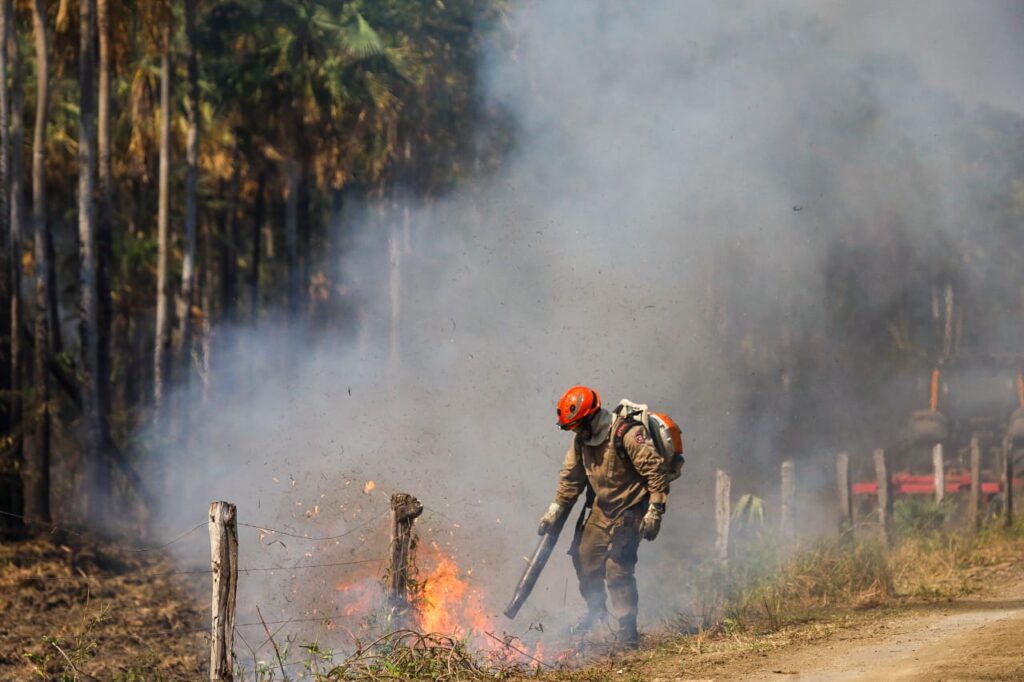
{"points": [[975, 638]]}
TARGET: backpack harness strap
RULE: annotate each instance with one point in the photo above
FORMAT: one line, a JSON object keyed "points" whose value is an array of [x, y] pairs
{"points": [[624, 426], [590, 495]]}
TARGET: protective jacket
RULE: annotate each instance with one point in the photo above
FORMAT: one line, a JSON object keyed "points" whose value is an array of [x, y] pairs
{"points": [[620, 480]]}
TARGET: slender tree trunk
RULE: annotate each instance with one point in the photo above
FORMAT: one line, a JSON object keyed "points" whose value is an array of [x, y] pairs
{"points": [[228, 247], [37, 469], [105, 226], [191, 184], [17, 215], [206, 286], [161, 365], [7, 279], [394, 288], [89, 323], [188, 267], [10, 481], [291, 235], [257, 230]]}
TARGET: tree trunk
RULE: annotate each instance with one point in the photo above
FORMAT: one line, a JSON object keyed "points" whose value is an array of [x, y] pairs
{"points": [[105, 224], [161, 365], [291, 235], [254, 268], [228, 250], [97, 477], [7, 277], [188, 269], [10, 481], [394, 289], [17, 214], [37, 469], [206, 286]]}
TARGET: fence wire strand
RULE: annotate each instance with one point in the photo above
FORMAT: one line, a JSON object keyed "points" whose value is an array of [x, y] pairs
{"points": [[268, 529]]}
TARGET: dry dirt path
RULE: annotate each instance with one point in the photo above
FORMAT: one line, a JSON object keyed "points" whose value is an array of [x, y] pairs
{"points": [[974, 638]]}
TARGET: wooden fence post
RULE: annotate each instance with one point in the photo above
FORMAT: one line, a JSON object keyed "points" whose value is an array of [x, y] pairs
{"points": [[722, 514], [844, 493], [788, 520], [974, 498], [884, 493], [1008, 477], [224, 562], [939, 469], [404, 510]]}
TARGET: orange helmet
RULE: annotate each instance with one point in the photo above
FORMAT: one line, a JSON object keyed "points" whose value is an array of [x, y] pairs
{"points": [[575, 405]]}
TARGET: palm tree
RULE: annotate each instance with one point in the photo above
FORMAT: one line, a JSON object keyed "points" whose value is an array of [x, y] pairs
{"points": [[314, 73]]}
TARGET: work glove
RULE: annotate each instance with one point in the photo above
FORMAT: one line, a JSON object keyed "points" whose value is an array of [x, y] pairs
{"points": [[550, 518], [650, 524]]}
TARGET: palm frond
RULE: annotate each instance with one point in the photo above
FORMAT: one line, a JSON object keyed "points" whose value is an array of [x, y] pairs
{"points": [[362, 41]]}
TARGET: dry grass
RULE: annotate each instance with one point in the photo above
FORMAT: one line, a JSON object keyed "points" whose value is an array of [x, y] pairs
{"points": [[77, 606], [85, 610]]}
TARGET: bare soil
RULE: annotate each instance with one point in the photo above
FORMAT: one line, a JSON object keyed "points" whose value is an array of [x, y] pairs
{"points": [[80, 607], [973, 637]]}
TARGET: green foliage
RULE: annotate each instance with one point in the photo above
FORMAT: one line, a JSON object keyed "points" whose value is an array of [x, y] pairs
{"points": [[922, 515]]}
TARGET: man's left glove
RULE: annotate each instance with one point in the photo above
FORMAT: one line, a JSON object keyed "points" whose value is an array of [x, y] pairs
{"points": [[651, 523]]}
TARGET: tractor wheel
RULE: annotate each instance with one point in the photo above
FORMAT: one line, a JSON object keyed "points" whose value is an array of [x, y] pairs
{"points": [[928, 426]]}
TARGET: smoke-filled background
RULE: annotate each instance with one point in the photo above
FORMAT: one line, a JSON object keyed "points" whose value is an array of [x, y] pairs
{"points": [[743, 213]]}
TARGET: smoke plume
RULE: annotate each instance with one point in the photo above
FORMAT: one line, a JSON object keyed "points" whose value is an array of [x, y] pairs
{"points": [[722, 209]]}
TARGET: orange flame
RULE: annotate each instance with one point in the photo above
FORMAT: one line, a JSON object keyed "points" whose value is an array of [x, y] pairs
{"points": [[448, 605], [368, 487]]}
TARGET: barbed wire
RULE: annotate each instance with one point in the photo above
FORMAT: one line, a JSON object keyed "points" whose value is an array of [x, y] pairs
{"points": [[276, 531], [207, 571]]}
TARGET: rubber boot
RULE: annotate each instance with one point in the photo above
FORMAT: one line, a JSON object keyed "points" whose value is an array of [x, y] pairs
{"points": [[593, 617], [626, 635]]}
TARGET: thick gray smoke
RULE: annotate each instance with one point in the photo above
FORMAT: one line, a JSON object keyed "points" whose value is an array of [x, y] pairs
{"points": [[689, 183]]}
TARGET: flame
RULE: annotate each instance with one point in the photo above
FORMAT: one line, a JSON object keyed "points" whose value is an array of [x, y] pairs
{"points": [[368, 487], [448, 605]]}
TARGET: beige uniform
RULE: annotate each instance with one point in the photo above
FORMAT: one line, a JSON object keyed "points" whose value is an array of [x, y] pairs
{"points": [[623, 487]]}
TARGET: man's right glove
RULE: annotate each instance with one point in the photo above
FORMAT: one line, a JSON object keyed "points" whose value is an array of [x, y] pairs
{"points": [[550, 518], [651, 523]]}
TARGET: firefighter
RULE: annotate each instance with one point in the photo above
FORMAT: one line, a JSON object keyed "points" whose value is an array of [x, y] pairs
{"points": [[626, 481]]}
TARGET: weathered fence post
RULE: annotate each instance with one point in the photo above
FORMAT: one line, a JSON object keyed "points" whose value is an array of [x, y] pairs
{"points": [[844, 493], [404, 510], [974, 498], [939, 468], [788, 520], [884, 493], [224, 563], [722, 514], [1008, 477]]}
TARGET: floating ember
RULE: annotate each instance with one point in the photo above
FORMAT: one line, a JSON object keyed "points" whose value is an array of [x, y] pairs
{"points": [[368, 487]]}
